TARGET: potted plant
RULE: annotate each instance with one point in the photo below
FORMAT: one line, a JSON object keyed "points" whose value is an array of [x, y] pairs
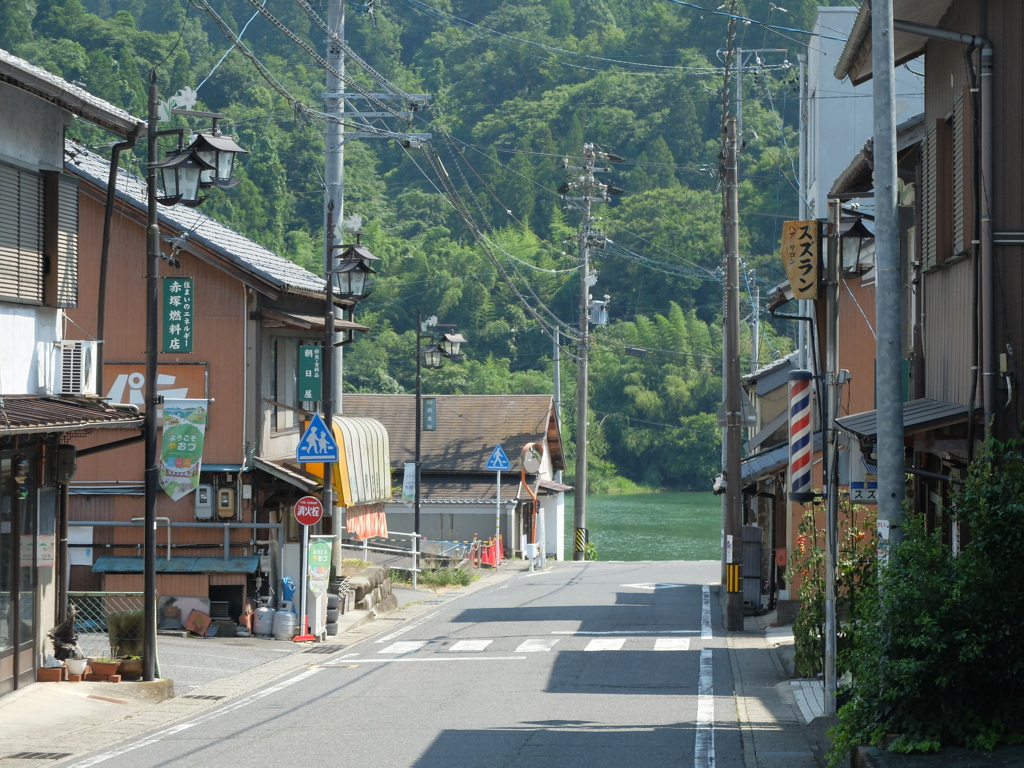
{"points": [[130, 668], [76, 663], [125, 629], [104, 665]]}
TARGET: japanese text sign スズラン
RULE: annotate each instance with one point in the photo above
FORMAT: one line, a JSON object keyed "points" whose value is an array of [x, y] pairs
{"points": [[801, 248], [176, 318]]}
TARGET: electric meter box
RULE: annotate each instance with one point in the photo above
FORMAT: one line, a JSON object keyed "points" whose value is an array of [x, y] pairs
{"points": [[225, 502], [204, 502]]}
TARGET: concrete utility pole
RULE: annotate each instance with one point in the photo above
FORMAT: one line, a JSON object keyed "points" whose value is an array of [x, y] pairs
{"points": [[557, 359], [889, 346], [334, 164], [733, 554], [755, 329], [832, 454], [591, 189]]}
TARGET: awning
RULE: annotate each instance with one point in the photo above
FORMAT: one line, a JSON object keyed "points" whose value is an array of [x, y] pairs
{"points": [[362, 474], [273, 318], [918, 416], [290, 474], [366, 521], [178, 565], [552, 487], [769, 462], [27, 414]]}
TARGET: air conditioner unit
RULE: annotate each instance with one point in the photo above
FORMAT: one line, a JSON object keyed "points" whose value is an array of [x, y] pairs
{"points": [[75, 371]]}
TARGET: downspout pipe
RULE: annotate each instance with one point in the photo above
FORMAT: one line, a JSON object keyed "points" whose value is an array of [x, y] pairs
{"points": [[108, 215], [986, 246]]}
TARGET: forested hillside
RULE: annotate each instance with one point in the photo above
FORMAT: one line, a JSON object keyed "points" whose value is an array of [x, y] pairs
{"points": [[516, 86]]}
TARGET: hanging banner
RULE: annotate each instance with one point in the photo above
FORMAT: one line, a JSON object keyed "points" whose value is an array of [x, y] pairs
{"points": [[801, 248], [318, 565], [409, 483], [181, 452]]}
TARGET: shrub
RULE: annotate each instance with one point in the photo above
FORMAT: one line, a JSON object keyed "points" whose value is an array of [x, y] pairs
{"points": [[938, 656], [125, 630]]}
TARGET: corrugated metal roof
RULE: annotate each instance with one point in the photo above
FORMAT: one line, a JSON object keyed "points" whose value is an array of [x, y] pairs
{"points": [[37, 81], [111, 564], [918, 416], [25, 414], [199, 227], [468, 427], [770, 462]]}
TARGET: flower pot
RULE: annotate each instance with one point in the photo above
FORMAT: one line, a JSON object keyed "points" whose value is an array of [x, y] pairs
{"points": [[76, 666], [104, 667], [130, 669]]}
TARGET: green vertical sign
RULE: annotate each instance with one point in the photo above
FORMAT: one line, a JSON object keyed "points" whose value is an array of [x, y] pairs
{"points": [[176, 318], [318, 565], [429, 414], [310, 372]]}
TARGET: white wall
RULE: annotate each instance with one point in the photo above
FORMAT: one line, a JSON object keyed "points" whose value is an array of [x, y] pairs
{"points": [[31, 130], [26, 346], [839, 115]]}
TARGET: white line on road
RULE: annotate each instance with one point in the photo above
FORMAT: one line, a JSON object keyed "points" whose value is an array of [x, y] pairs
{"points": [[628, 632], [705, 612], [160, 735], [470, 646], [672, 644], [439, 657], [404, 646], [536, 645], [704, 746], [605, 644]]}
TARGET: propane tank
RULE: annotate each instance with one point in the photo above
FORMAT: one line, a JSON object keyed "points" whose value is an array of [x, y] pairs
{"points": [[284, 622], [263, 621]]}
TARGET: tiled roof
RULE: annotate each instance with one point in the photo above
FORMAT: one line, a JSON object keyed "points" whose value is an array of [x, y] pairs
{"points": [[37, 81], [468, 427], [200, 228], [25, 414]]}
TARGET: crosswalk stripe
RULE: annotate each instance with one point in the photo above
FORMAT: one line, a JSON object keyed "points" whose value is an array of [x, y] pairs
{"points": [[605, 644], [672, 644], [536, 646], [470, 646], [403, 646]]}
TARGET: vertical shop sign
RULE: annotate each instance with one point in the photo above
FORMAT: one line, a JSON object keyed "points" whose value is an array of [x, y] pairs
{"points": [[310, 387], [176, 318], [801, 248]]}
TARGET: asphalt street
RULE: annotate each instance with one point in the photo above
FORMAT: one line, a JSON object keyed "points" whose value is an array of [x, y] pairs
{"points": [[604, 664]]}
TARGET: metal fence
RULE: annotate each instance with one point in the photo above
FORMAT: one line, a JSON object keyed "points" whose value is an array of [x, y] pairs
{"points": [[399, 552], [109, 624]]}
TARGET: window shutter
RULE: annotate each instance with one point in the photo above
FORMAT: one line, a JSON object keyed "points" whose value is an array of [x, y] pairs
{"points": [[60, 239], [963, 174], [929, 198], [21, 235]]}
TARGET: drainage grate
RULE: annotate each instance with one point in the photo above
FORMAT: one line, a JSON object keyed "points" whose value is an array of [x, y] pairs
{"points": [[323, 649], [202, 696], [39, 756]]}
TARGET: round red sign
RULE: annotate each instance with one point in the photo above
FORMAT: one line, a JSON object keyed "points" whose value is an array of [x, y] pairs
{"points": [[308, 510]]}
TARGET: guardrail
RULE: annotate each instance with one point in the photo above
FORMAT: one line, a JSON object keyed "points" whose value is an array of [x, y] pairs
{"points": [[399, 558]]}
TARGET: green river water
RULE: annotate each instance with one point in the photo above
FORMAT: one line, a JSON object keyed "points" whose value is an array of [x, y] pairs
{"points": [[651, 526]]}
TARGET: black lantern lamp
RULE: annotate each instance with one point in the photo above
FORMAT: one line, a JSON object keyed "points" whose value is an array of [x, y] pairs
{"points": [[218, 152], [352, 279], [179, 175], [852, 237], [432, 356], [450, 345]]}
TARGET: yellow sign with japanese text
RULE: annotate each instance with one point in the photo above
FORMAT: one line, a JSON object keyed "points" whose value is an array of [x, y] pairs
{"points": [[801, 255]]}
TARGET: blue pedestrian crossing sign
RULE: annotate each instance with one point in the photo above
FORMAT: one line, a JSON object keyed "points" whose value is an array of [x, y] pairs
{"points": [[317, 443], [498, 461]]}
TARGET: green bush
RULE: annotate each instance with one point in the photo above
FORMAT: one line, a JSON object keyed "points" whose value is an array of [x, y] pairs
{"points": [[938, 657], [446, 577], [125, 630]]}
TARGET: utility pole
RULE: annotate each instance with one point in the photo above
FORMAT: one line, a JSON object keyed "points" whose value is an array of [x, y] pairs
{"points": [[733, 409], [557, 360], [591, 189], [889, 346], [832, 451], [755, 330]]}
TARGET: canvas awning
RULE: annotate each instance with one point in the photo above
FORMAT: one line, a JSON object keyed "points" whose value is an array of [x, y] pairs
{"points": [[362, 474]]}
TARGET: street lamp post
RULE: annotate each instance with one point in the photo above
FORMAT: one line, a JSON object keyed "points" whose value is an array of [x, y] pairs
{"points": [[182, 176], [448, 346]]}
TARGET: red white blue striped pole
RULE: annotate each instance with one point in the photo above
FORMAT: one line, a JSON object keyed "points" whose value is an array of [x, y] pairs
{"points": [[800, 443]]}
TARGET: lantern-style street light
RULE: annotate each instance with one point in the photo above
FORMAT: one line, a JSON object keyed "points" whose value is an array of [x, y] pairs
{"points": [[180, 173], [431, 357]]}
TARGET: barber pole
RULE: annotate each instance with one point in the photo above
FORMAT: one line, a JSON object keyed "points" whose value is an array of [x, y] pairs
{"points": [[800, 443]]}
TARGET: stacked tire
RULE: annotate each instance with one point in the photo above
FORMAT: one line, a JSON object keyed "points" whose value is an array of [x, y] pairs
{"points": [[333, 612]]}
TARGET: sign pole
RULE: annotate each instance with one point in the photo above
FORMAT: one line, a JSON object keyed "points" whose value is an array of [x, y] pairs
{"points": [[497, 523], [308, 511]]}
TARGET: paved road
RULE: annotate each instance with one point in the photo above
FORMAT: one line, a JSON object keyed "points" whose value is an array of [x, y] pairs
{"points": [[603, 664]]}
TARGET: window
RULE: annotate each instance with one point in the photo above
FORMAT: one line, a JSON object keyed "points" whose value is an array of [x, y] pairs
{"points": [[284, 358], [38, 237], [963, 174]]}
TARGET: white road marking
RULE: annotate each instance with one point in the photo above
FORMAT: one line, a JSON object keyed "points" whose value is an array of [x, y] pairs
{"points": [[605, 644], [404, 646], [672, 644], [470, 646], [160, 735], [536, 646], [704, 745], [418, 659], [651, 587], [628, 632], [705, 612]]}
